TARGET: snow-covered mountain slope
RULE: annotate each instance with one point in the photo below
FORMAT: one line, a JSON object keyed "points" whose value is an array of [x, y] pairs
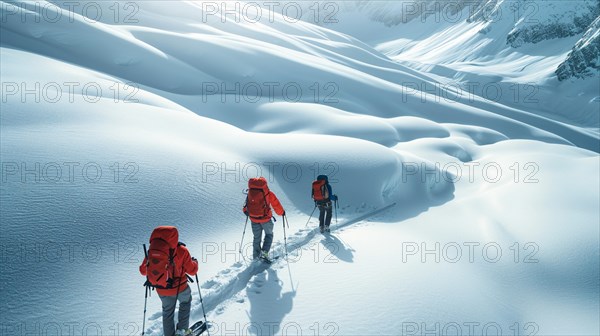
{"points": [[511, 24], [111, 128], [584, 60], [349, 73], [543, 54]]}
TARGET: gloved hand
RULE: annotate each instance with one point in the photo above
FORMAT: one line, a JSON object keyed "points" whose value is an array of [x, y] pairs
{"points": [[283, 214], [334, 197], [246, 213], [194, 259]]}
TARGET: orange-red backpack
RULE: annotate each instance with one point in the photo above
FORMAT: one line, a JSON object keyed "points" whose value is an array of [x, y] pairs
{"points": [[256, 201], [320, 192], [160, 265]]}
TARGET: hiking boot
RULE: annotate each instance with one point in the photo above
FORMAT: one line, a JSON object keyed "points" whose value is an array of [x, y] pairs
{"points": [[327, 229], [264, 255], [183, 332], [321, 229]]}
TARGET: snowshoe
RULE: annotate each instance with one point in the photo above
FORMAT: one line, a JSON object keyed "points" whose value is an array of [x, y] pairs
{"points": [[198, 328], [268, 260]]}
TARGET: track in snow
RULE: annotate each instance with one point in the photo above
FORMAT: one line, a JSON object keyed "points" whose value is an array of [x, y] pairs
{"points": [[236, 278]]}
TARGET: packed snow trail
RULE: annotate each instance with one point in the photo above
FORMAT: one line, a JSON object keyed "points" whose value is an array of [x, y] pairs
{"points": [[217, 291]]}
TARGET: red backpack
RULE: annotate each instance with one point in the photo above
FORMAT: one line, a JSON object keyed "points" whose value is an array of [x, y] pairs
{"points": [[256, 201], [160, 266], [320, 192]]}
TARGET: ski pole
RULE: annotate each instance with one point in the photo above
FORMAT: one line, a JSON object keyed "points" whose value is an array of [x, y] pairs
{"points": [[145, 296], [145, 305], [202, 304], [284, 236], [336, 207], [311, 214], [242, 242]]}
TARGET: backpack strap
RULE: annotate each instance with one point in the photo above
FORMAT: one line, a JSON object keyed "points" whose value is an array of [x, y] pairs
{"points": [[172, 265], [266, 205]]}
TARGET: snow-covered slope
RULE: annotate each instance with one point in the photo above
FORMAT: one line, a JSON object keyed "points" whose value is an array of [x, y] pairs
{"points": [[511, 23], [584, 60], [536, 55], [111, 128], [350, 73]]}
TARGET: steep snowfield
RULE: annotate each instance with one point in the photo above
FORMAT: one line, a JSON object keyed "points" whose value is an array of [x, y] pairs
{"points": [[518, 46], [522, 47], [405, 26], [175, 146], [349, 72]]}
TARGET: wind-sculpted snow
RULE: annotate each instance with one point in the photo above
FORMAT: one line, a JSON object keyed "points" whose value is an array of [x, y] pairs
{"points": [[325, 67], [165, 156]]}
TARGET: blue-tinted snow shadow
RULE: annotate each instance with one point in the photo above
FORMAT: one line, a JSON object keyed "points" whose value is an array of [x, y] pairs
{"points": [[420, 200], [337, 248], [268, 306], [411, 193]]}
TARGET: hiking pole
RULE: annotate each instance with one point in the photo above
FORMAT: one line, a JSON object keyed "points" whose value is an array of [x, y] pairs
{"points": [[202, 304], [145, 296], [286, 251], [242, 242], [284, 235], [311, 214], [145, 305], [336, 207]]}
